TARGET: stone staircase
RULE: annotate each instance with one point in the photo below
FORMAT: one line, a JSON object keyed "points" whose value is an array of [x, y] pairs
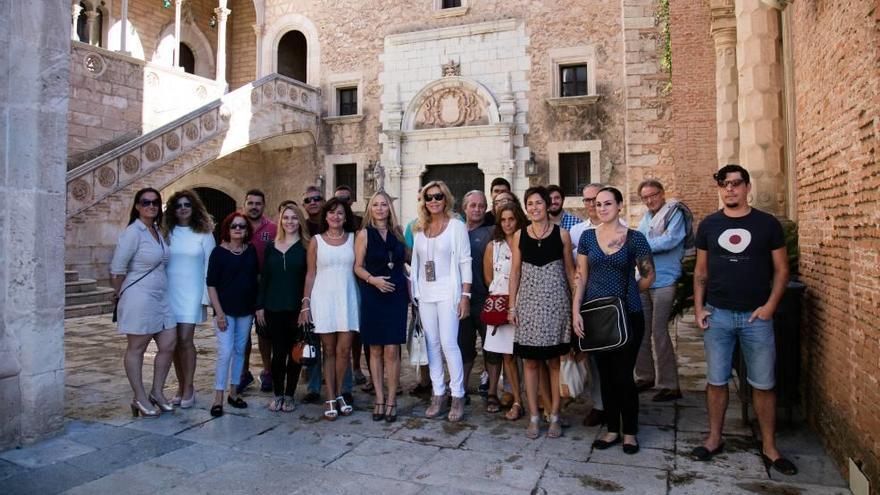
{"points": [[83, 297]]}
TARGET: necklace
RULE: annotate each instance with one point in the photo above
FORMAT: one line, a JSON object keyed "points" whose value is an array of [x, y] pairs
{"points": [[543, 234], [335, 238], [236, 252]]}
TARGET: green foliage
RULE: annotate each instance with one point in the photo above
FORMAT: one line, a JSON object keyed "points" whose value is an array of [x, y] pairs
{"points": [[666, 41]]}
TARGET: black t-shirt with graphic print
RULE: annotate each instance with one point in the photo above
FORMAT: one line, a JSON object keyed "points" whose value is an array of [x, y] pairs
{"points": [[739, 257]]}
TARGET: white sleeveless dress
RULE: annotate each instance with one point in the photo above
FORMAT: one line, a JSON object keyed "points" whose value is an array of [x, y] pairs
{"points": [[500, 339], [334, 299]]}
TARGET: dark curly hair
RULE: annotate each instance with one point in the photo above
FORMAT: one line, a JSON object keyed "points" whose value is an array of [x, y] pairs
{"points": [[518, 214], [200, 221], [332, 204]]}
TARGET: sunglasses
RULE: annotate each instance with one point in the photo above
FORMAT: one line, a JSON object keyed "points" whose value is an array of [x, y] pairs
{"points": [[238, 226], [182, 205], [434, 197], [151, 202], [312, 199], [734, 183]]}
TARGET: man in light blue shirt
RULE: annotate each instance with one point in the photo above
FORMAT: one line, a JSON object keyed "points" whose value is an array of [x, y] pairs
{"points": [[664, 227]]}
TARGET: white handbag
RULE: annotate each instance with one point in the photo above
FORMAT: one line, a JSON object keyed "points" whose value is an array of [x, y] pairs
{"points": [[572, 375], [418, 347]]}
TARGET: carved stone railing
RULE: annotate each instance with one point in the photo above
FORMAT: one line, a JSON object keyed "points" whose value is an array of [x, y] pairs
{"points": [[99, 178]]}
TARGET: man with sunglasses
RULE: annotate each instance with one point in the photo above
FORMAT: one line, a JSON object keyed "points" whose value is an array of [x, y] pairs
{"points": [[739, 278], [312, 202]]}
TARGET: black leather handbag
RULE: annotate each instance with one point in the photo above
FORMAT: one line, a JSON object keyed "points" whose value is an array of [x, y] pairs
{"points": [[604, 325]]}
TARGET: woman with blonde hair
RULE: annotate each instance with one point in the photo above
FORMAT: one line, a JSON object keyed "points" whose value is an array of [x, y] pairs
{"points": [[188, 228], [441, 283], [380, 253], [279, 300]]}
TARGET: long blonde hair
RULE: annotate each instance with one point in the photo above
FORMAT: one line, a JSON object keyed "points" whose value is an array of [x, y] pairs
{"points": [[424, 216], [281, 235], [391, 224]]}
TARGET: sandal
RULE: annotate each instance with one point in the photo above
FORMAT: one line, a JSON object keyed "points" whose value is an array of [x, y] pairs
{"points": [[555, 430], [276, 404], [330, 413], [289, 404], [378, 416], [493, 405], [344, 409], [534, 428], [515, 412], [390, 413]]}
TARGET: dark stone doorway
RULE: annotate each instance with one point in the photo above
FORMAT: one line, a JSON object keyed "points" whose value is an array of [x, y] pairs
{"points": [[292, 55], [460, 177], [218, 203]]}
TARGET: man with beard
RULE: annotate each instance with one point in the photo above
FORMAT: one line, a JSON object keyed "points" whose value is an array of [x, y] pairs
{"points": [[264, 231], [498, 186], [557, 214]]}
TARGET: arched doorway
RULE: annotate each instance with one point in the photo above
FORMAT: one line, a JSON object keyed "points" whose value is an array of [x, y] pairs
{"points": [[218, 204], [187, 59], [292, 55]]}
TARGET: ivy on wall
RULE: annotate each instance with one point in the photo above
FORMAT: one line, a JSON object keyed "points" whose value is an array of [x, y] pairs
{"points": [[665, 39]]}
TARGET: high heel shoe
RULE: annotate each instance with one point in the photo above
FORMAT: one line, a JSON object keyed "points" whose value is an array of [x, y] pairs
{"points": [[391, 413], [163, 407], [138, 409], [378, 416], [187, 403]]}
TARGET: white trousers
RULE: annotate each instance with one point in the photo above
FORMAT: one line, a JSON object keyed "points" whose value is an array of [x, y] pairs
{"points": [[440, 323]]}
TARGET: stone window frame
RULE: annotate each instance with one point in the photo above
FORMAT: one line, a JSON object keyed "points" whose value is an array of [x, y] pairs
{"points": [[439, 12], [361, 164], [344, 81], [107, 19], [575, 55], [591, 146]]}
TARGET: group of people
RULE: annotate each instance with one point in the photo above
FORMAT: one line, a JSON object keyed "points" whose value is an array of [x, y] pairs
{"points": [[346, 277]]}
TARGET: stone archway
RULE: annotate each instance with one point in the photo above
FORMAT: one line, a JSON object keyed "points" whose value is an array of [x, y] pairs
{"points": [[195, 40], [272, 38]]}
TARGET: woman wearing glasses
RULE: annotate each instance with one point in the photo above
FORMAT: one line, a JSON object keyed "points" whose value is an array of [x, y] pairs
{"points": [[441, 283], [232, 288], [187, 228], [137, 274]]}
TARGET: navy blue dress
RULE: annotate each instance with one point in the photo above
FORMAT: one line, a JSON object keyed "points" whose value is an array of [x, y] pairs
{"points": [[383, 315]]}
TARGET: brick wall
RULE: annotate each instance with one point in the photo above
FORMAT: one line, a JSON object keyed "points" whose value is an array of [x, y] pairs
{"points": [[838, 178], [148, 18], [693, 105], [242, 45]]}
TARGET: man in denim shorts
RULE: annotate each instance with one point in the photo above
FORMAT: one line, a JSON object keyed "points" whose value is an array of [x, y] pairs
{"points": [[739, 279]]}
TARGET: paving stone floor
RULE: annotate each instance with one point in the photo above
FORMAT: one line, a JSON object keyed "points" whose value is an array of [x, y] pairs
{"points": [[104, 450]]}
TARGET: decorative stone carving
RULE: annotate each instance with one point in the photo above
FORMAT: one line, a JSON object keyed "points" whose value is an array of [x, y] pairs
{"points": [[255, 96], [80, 190], [201, 92], [94, 64], [451, 107], [281, 90], [191, 131], [152, 152], [451, 68], [268, 91], [106, 177], [152, 79], [172, 141], [305, 98], [130, 164], [208, 122], [293, 94], [225, 113]]}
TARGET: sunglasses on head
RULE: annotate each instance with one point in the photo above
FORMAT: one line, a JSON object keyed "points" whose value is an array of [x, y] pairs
{"points": [[435, 197], [151, 202], [312, 199], [182, 205], [238, 226]]}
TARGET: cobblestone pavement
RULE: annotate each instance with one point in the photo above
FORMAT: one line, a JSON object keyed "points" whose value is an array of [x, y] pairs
{"points": [[104, 450]]}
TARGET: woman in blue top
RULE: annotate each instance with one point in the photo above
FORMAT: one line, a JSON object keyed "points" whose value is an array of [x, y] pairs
{"points": [[607, 259]]}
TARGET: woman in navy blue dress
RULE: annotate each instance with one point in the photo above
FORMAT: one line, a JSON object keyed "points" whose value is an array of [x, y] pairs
{"points": [[380, 252]]}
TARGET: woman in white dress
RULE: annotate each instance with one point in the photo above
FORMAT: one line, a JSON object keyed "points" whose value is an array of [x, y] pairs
{"points": [[188, 228], [441, 283], [137, 274], [331, 299], [496, 268]]}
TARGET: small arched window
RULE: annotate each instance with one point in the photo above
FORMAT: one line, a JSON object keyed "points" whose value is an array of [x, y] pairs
{"points": [[292, 54], [187, 59]]}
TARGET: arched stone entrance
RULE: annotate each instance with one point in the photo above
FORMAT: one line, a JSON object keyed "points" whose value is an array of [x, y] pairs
{"points": [[293, 55], [219, 205]]}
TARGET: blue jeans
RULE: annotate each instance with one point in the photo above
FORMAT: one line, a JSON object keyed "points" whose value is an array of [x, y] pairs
{"points": [[757, 342], [316, 373], [231, 345]]}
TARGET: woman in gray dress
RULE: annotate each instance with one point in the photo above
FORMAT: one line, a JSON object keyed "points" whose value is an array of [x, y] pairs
{"points": [[137, 274]]}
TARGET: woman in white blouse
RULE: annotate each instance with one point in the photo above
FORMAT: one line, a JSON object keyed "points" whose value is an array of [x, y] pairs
{"points": [[188, 228], [441, 283]]}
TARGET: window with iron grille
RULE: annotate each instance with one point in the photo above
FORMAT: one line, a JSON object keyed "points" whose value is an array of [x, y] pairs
{"points": [[348, 101], [573, 79], [574, 172], [450, 4], [346, 175]]}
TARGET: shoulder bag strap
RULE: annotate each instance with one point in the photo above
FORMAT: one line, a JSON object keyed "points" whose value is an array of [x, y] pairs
{"points": [[162, 245]]}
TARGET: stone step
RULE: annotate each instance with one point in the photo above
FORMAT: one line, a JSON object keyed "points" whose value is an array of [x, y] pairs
{"points": [[90, 309], [99, 295], [81, 285], [71, 275]]}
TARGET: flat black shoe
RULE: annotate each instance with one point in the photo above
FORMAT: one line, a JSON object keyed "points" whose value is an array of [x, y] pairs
{"points": [[643, 386], [629, 448], [666, 395], [217, 411], [237, 403], [602, 444], [703, 454], [781, 464], [391, 417]]}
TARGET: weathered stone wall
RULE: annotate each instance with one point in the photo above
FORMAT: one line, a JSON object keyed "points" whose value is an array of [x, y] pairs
{"points": [[34, 89], [837, 49], [693, 105]]}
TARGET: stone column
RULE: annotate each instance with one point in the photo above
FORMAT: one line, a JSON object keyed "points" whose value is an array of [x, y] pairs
{"points": [[726, 88], [74, 17], [91, 17], [34, 88], [222, 14], [123, 27], [175, 57], [761, 128], [259, 30]]}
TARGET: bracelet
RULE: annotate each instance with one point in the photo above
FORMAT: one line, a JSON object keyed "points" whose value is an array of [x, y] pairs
{"points": [[466, 294], [304, 310], [368, 278], [307, 298]]}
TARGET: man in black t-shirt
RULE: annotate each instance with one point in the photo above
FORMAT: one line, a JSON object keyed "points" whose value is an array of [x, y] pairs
{"points": [[739, 279]]}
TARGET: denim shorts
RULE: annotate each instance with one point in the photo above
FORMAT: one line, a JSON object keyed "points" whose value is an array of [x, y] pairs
{"points": [[757, 343]]}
